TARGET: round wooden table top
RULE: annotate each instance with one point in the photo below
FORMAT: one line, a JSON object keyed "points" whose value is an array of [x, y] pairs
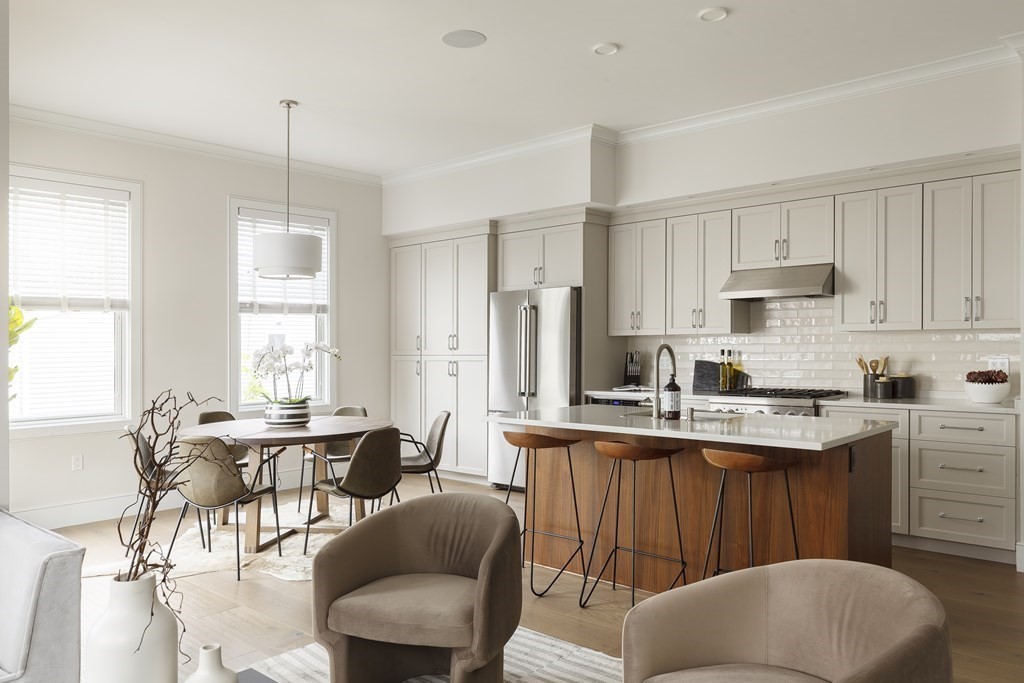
{"points": [[255, 432]]}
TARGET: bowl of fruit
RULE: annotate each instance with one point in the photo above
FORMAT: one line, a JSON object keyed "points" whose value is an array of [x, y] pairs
{"points": [[987, 386]]}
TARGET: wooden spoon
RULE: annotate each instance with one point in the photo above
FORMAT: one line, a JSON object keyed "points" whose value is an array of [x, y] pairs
{"points": [[873, 364], [861, 364], [883, 365]]}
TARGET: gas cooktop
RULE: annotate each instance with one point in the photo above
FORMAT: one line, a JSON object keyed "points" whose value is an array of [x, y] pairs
{"points": [[771, 401], [785, 393]]}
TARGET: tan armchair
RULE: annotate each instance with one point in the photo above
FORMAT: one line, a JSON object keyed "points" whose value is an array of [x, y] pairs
{"points": [[807, 620], [429, 586]]}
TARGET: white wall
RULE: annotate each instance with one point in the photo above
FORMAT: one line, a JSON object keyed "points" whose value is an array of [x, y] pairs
{"points": [[185, 304], [5, 487], [963, 113]]}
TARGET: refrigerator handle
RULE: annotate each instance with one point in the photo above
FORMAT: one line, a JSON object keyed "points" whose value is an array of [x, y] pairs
{"points": [[531, 353], [521, 352]]}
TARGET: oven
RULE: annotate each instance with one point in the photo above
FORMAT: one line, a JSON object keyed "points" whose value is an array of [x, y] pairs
{"points": [[769, 401]]}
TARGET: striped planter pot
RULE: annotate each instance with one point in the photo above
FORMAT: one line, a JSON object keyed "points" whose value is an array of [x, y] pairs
{"points": [[287, 414]]}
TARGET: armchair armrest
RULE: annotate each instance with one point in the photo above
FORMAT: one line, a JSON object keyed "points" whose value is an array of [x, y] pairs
{"points": [[499, 596]]}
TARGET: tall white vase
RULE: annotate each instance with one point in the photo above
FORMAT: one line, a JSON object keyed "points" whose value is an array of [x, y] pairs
{"points": [[113, 653], [211, 667]]}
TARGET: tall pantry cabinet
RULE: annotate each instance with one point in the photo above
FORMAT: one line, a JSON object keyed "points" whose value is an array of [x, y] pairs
{"points": [[440, 296]]}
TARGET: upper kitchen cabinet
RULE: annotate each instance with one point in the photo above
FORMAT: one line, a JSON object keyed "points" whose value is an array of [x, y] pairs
{"points": [[698, 266], [971, 252], [795, 233], [636, 278], [550, 257], [456, 284], [878, 259], [406, 299]]}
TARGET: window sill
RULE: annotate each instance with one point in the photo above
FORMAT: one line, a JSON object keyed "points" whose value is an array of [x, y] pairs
{"points": [[68, 428]]}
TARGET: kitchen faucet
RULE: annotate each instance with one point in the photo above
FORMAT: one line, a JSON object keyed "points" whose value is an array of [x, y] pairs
{"points": [[657, 376]]}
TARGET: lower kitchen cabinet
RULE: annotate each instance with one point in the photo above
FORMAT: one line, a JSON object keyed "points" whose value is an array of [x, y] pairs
{"points": [[458, 385], [964, 518], [406, 396]]}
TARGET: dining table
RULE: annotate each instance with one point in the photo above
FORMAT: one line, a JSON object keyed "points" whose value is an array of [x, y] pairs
{"points": [[263, 439]]}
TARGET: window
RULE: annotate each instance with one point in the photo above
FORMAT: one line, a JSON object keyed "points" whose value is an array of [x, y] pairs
{"points": [[298, 309], [73, 242]]}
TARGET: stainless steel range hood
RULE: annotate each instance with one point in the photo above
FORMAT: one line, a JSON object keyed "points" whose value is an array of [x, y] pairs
{"points": [[777, 283]]}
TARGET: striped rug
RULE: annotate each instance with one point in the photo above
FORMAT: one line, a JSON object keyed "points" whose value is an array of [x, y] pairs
{"points": [[530, 657]]}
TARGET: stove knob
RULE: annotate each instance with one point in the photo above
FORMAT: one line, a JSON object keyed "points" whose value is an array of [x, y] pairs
{"points": [[776, 412], [793, 412], [759, 412]]}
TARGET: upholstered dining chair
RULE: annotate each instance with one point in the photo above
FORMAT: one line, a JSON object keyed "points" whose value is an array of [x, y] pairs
{"points": [[211, 480], [337, 451], [240, 451], [805, 620], [373, 472], [429, 586], [428, 455]]}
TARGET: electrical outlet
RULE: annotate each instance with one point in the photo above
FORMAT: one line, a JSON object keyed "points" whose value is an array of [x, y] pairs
{"points": [[77, 461], [999, 363]]}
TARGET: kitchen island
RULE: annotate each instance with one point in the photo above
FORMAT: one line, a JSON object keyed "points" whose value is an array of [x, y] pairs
{"points": [[841, 488]]}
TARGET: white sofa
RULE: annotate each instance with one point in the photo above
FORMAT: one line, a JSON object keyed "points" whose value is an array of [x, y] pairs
{"points": [[40, 604]]}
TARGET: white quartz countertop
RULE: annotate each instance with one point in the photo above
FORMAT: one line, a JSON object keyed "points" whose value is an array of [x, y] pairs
{"points": [[945, 404], [641, 395], [777, 431]]}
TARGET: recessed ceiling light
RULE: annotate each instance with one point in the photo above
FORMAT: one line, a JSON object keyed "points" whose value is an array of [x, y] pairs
{"points": [[713, 14], [464, 38], [606, 49]]}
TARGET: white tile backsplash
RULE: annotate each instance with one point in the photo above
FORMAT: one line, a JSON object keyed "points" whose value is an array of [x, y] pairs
{"points": [[793, 343]]}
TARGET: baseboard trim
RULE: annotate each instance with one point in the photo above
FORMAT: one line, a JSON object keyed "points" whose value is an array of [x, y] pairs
{"points": [[1020, 557], [976, 552]]}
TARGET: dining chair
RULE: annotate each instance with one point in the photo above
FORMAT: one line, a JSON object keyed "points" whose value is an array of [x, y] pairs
{"points": [[337, 451], [428, 455], [211, 480], [373, 472]]}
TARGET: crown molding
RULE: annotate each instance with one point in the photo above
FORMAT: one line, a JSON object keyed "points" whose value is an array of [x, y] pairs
{"points": [[1015, 41], [444, 232], [569, 137], [77, 124], [890, 80], [550, 218]]}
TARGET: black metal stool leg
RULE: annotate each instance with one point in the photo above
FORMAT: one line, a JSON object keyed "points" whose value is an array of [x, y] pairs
{"points": [[597, 534], [515, 465], [534, 532], [526, 503], [679, 529], [792, 520], [575, 509], [615, 546], [750, 518], [714, 523], [632, 550]]}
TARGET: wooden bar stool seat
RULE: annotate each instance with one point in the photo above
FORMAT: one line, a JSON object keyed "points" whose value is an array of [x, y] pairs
{"points": [[749, 464], [534, 443], [619, 452]]}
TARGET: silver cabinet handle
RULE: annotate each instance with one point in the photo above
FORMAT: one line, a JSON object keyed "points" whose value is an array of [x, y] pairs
{"points": [[776, 250], [535, 275], [944, 466], [638, 326], [881, 310], [701, 313], [449, 342], [693, 318], [632, 320], [455, 368], [455, 342], [977, 308], [417, 342], [540, 275], [417, 368], [969, 429], [872, 312], [979, 520], [785, 249], [967, 312]]}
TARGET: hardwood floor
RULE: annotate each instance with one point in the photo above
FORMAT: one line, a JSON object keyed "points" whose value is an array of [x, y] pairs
{"points": [[261, 616]]}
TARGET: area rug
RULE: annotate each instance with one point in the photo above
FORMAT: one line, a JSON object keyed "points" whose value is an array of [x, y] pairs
{"points": [[191, 559], [529, 657]]}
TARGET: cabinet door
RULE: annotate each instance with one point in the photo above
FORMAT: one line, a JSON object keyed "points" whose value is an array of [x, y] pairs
{"points": [[472, 292], [561, 263], [996, 267], [622, 258], [650, 277], [947, 254], [900, 486], [518, 260], [470, 431], [406, 394], [682, 275], [406, 281], [438, 395], [856, 216], [898, 275], [714, 314], [756, 242], [438, 295], [808, 231]]}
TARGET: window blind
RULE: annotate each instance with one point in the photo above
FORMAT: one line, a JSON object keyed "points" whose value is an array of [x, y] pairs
{"points": [[260, 296]]}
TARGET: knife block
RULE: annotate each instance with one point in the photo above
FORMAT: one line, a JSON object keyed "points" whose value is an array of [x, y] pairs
{"points": [[627, 378]]}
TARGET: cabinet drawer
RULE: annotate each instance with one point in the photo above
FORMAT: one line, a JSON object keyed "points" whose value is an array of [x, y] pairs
{"points": [[961, 517], [973, 428], [985, 470], [901, 416]]}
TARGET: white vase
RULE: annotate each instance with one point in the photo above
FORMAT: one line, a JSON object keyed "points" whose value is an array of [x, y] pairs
{"points": [[125, 645], [987, 393], [287, 414], [211, 667]]}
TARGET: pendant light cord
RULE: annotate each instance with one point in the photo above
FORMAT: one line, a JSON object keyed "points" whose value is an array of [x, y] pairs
{"points": [[288, 172]]}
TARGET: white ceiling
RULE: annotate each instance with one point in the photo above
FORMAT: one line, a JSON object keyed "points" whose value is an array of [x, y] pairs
{"points": [[381, 94]]}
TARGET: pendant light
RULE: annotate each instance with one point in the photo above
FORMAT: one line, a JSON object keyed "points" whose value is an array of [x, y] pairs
{"points": [[287, 255]]}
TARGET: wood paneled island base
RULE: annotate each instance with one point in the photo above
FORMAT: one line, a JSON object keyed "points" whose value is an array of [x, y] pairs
{"points": [[841, 500]]}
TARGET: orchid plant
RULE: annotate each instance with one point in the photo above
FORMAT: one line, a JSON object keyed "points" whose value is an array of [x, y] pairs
{"points": [[272, 361]]}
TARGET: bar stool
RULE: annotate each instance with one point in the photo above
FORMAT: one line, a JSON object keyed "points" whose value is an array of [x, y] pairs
{"points": [[618, 452], [751, 464], [535, 442]]}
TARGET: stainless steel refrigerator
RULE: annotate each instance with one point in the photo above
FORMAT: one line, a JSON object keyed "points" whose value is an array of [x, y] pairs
{"points": [[533, 363]]}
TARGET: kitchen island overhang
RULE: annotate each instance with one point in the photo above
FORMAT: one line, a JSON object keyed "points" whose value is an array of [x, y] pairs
{"points": [[841, 488]]}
